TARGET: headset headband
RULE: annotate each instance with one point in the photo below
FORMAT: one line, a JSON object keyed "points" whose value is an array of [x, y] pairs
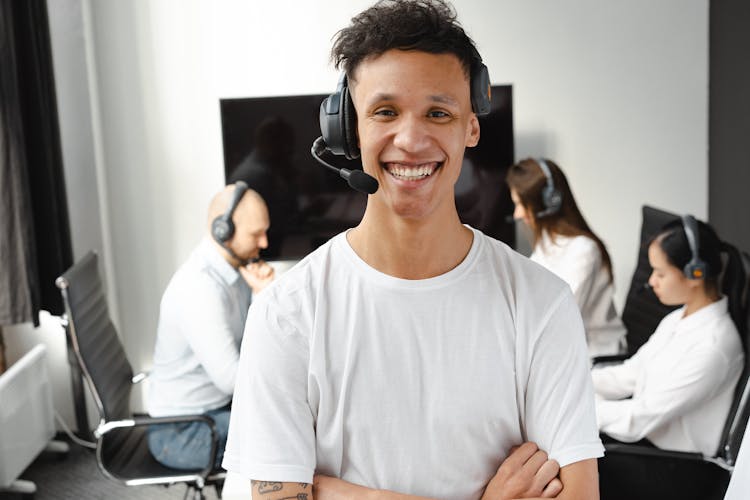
{"points": [[696, 268], [551, 197], [547, 173]]}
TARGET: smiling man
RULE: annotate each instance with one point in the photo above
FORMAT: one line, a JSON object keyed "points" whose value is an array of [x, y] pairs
{"points": [[410, 356]]}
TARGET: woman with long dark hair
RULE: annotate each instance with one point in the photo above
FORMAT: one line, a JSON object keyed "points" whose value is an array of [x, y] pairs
{"points": [[676, 391], [564, 244]]}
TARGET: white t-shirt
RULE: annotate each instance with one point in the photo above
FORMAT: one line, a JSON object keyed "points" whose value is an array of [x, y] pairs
{"points": [[201, 320], [415, 386], [681, 381], [578, 261]]}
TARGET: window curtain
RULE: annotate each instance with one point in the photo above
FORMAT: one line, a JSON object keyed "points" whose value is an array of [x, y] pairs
{"points": [[35, 244]]}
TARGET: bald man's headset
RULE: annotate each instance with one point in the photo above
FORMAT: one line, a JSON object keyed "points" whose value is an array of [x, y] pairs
{"points": [[338, 125], [551, 197], [696, 268], [222, 227]]}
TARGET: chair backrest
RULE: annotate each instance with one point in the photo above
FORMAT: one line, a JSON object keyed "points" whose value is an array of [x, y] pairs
{"points": [[94, 338], [643, 311], [739, 412]]}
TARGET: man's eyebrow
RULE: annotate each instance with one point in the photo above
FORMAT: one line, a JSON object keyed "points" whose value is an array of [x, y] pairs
{"points": [[438, 98], [380, 97], [444, 99]]}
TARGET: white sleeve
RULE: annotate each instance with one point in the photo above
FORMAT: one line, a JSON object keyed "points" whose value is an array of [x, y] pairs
{"points": [[210, 334], [666, 397], [272, 428], [617, 381], [559, 403]]}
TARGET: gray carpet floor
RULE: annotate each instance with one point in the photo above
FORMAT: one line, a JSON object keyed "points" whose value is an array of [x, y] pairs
{"points": [[75, 476]]}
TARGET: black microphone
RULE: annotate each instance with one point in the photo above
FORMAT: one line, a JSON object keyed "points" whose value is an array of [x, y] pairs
{"points": [[357, 179]]}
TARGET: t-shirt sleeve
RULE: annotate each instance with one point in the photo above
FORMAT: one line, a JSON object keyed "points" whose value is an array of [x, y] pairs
{"points": [[272, 430], [559, 399]]}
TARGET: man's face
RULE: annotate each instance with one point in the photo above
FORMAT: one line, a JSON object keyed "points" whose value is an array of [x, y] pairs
{"points": [[251, 224], [414, 120]]}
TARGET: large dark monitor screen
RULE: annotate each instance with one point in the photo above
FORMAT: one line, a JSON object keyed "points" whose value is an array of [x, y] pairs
{"points": [[267, 143]]}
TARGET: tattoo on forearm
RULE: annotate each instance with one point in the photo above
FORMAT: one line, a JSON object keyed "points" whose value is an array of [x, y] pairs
{"points": [[266, 487]]}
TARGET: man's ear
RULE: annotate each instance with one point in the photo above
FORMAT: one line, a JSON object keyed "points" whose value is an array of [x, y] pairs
{"points": [[472, 132]]}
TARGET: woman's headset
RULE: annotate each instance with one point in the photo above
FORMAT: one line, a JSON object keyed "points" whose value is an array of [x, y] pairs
{"points": [[696, 268], [551, 197]]}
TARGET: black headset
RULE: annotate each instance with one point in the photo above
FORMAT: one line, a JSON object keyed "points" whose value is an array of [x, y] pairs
{"points": [[696, 268], [338, 119], [552, 198], [222, 227]]}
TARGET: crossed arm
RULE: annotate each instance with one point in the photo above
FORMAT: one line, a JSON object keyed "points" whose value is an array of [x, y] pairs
{"points": [[527, 473]]}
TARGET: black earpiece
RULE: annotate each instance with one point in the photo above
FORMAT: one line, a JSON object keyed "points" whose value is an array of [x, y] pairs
{"points": [[481, 90], [551, 197], [222, 227], [695, 269], [338, 122]]}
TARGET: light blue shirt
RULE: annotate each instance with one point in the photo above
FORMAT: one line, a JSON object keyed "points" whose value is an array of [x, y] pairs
{"points": [[201, 320]]}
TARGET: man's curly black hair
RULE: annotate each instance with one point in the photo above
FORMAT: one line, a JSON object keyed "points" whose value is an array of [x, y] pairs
{"points": [[423, 25]]}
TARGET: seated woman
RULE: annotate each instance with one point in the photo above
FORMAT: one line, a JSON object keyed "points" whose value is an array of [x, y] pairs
{"points": [[564, 244], [680, 383]]}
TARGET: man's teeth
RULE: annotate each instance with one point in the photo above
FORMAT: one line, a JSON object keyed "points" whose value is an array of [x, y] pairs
{"points": [[411, 173]]}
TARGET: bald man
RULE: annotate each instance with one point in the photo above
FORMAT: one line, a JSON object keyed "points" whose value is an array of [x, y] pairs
{"points": [[201, 320]]}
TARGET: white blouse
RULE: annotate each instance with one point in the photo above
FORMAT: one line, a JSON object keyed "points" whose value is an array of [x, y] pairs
{"points": [[578, 261], [680, 383]]}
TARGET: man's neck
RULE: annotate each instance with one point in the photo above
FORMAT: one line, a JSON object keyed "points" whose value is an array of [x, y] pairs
{"points": [[411, 249]]}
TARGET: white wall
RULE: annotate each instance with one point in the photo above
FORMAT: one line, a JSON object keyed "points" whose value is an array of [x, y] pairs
{"points": [[616, 92]]}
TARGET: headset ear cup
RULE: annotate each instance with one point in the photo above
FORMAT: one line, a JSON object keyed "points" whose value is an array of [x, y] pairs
{"points": [[349, 125], [481, 99], [222, 229]]}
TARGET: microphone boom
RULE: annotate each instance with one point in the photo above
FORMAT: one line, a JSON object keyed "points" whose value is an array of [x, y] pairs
{"points": [[357, 179]]}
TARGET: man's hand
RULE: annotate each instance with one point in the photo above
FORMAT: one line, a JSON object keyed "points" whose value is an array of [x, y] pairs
{"points": [[257, 275], [526, 473]]}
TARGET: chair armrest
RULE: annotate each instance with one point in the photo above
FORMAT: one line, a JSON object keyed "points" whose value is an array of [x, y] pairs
{"points": [[615, 358], [141, 421], [634, 449]]}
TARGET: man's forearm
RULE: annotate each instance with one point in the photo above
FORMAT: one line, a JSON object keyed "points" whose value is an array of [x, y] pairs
{"points": [[274, 490], [331, 488]]}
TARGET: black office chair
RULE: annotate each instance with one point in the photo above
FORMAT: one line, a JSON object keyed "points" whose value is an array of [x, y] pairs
{"points": [[121, 443], [634, 471], [643, 311]]}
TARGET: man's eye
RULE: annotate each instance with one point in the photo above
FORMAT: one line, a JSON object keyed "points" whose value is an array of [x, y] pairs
{"points": [[438, 113], [385, 112]]}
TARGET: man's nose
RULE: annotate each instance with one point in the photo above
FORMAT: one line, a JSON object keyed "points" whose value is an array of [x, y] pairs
{"points": [[412, 134]]}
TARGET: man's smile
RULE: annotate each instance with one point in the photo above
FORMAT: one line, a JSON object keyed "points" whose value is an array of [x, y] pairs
{"points": [[411, 171]]}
